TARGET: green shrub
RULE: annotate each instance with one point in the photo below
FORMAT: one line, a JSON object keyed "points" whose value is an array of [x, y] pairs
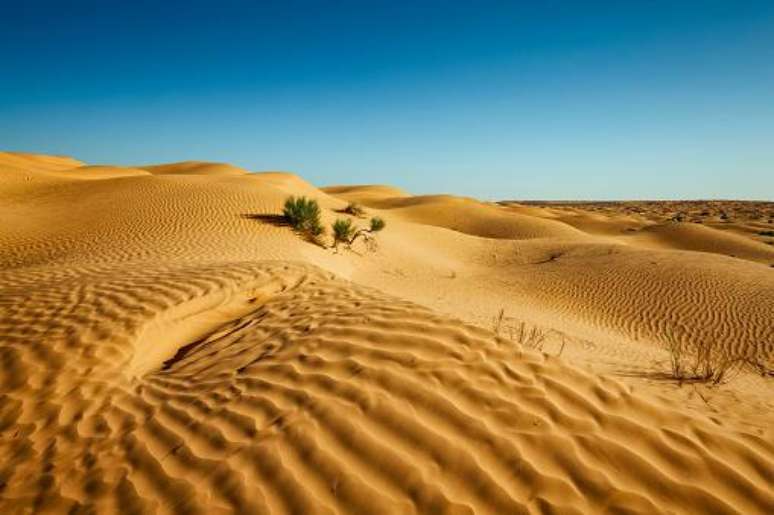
{"points": [[377, 224], [343, 231], [303, 215]]}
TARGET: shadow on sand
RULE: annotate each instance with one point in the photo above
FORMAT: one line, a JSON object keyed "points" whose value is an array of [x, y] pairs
{"points": [[281, 221], [275, 220]]}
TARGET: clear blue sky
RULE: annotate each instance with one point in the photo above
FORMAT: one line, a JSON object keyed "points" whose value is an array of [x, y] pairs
{"points": [[534, 99]]}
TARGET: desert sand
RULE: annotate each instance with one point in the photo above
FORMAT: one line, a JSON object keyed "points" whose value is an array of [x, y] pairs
{"points": [[164, 349]]}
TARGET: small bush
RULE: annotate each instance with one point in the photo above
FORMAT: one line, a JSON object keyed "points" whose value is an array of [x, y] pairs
{"points": [[303, 214], [766, 233], [377, 224], [343, 231], [354, 209]]}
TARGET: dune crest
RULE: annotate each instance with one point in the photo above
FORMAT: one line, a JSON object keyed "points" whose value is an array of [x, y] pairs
{"points": [[194, 168]]}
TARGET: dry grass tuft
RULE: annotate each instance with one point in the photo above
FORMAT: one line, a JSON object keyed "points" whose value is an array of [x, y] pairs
{"points": [[706, 364], [354, 209], [530, 337]]}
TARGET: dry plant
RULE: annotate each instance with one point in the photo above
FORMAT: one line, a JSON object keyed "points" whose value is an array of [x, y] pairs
{"points": [[532, 338], [529, 337], [676, 351], [354, 209], [498, 322], [707, 364]]}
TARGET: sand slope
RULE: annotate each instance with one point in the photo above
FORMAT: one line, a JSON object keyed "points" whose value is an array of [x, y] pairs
{"points": [[276, 387], [166, 350], [691, 236], [194, 168], [461, 214]]}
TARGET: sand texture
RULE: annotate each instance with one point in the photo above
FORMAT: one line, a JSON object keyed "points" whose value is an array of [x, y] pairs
{"points": [[168, 346]]}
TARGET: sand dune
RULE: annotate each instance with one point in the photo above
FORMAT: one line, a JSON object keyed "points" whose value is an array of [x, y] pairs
{"points": [[165, 349], [461, 214], [366, 194], [731, 228], [22, 172], [690, 236], [645, 296], [194, 168], [107, 172], [36, 162], [286, 389]]}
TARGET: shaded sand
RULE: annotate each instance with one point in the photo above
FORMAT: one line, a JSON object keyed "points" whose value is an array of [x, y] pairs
{"points": [[166, 349]]}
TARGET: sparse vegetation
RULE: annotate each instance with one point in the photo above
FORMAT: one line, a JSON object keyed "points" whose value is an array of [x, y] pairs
{"points": [[766, 233], [532, 338], [707, 364], [377, 224], [303, 215], [497, 324], [354, 209], [345, 233], [529, 337]]}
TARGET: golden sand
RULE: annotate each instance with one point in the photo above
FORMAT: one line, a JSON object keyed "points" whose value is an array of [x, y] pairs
{"points": [[164, 350]]}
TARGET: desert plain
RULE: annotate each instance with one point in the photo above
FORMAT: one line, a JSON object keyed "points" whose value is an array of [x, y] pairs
{"points": [[166, 348]]}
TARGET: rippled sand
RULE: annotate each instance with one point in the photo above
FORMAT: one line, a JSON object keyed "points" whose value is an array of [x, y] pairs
{"points": [[165, 350]]}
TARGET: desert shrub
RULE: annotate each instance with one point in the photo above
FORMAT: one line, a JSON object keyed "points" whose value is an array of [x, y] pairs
{"points": [[377, 224], [303, 215], [766, 233], [354, 209], [343, 231]]}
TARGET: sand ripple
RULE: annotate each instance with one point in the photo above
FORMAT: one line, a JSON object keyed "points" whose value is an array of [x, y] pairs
{"points": [[277, 388]]}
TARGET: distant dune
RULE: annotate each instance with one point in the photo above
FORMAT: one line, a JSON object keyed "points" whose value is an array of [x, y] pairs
{"points": [[167, 348], [194, 168], [461, 214]]}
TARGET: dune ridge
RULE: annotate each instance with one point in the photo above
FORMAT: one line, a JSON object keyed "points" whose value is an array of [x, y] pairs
{"points": [[461, 214]]}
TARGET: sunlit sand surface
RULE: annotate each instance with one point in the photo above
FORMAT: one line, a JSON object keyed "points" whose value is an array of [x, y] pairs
{"points": [[166, 350]]}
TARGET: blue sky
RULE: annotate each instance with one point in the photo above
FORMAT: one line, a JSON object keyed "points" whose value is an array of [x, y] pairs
{"points": [[559, 100]]}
